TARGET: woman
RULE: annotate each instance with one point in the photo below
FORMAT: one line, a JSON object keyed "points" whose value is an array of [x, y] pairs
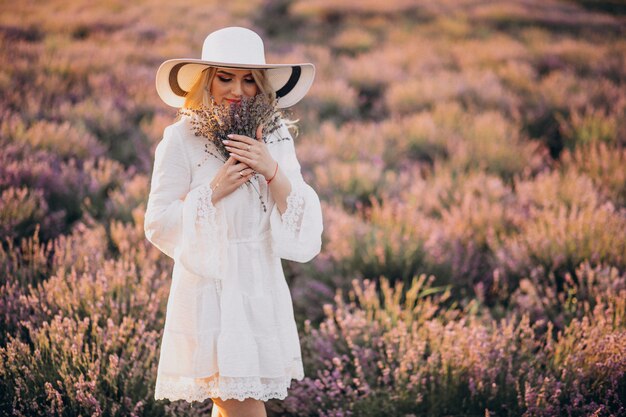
{"points": [[230, 333]]}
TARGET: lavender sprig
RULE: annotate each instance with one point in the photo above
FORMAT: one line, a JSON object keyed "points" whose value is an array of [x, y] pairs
{"points": [[215, 122]]}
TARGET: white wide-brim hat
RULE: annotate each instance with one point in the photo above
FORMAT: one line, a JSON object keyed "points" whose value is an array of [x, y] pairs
{"points": [[233, 47]]}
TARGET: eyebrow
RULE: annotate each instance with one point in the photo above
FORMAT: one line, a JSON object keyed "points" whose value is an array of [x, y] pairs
{"points": [[231, 74]]}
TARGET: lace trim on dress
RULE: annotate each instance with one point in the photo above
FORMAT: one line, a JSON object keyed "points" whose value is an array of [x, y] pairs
{"points": [[240, 388], [206, 209], [292, 217], [202, 224]]}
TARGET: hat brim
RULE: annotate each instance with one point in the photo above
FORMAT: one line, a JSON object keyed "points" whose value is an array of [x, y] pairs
{"points": [[175, 77]]}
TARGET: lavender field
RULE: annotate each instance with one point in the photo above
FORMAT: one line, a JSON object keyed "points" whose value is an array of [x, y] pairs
{"points": [[471, 161]]}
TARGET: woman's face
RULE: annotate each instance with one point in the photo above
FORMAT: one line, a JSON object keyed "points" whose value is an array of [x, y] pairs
{"points": [[230, 85]]}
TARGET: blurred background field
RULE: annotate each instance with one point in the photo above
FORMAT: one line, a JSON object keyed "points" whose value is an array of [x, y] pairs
{"points": [[471, 161]]}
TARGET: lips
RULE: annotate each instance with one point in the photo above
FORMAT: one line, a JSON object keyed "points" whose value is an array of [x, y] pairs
{"points": [[231, 100]]}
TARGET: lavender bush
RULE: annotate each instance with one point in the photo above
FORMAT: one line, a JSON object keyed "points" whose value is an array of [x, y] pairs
{"points": [[397, 351], [471, 171]]}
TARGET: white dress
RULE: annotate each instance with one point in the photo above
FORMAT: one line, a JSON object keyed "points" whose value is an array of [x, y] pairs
{"points": [[229, 328]]}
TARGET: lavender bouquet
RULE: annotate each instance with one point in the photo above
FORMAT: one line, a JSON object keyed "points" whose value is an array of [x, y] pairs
{"points": [[215, 122]]}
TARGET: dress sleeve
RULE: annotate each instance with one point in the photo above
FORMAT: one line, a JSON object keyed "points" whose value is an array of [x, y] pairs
{"points": [[193, 231], [297, 233]]}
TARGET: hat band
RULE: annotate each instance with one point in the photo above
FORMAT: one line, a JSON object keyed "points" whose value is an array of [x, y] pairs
{"points": [[291, 82], [173, 79], [296, 72]]}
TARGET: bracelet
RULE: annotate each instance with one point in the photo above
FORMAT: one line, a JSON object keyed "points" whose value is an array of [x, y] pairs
{"points": [[275, 171]]}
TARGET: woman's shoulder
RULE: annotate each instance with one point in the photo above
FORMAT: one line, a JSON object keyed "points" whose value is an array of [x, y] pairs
{"points": [[176, 139], [181, 126], [181, 131]]}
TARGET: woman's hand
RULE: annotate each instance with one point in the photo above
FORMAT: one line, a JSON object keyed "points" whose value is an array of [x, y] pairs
{"points": [[229, 177], [252, 152]]}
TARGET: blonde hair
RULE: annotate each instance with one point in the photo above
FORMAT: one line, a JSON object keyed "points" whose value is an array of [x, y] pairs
{"points": [[200, 90], [199, 94]]}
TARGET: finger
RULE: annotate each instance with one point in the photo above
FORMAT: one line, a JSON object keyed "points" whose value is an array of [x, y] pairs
{"points": [[229, 162], [243, 171], [237, 162], [242, 138], [237, 151], [240, 167], [243, 176], [243, 159], [259, 133], [235, 144]]}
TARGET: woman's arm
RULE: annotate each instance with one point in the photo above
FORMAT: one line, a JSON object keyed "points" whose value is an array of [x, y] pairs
{"points": [[297, 226], [296, 217], [280, 187], [170, 180], [182, 222]]}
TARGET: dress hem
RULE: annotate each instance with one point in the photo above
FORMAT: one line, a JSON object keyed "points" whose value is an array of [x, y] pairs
{"points": [[199, 389]]}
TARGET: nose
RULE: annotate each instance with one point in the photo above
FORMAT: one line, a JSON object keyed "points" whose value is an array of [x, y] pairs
{"points": [[236, 90]]}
